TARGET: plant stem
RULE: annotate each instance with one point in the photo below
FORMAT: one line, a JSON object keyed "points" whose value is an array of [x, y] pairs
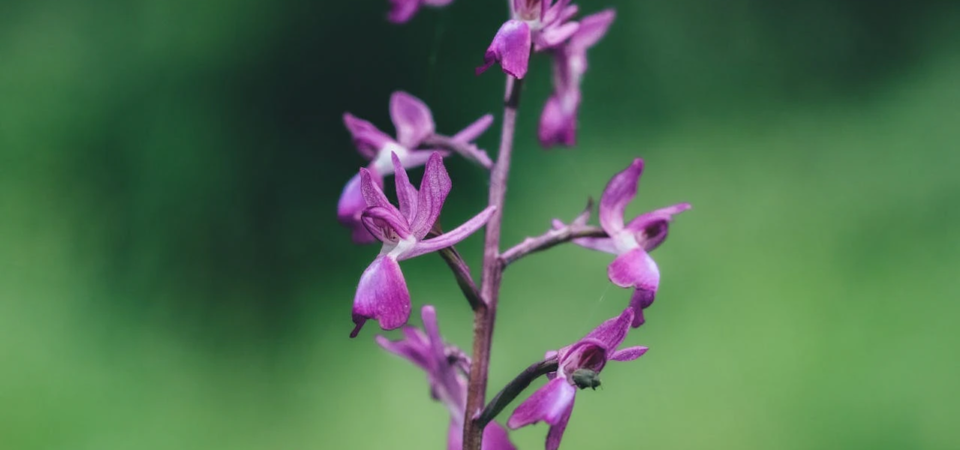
{"points": [[514, 388], [492, 272]]}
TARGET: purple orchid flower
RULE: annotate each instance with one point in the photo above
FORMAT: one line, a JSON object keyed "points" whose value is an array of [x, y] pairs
{"points": [[632, 242], [414, 123], [401, 11], [536, 24], [579, 366], [446, 367], [558, 123], [382, 292]]}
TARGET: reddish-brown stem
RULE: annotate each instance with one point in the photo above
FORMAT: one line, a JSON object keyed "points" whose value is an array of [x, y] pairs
{"points": [[492, 272]]}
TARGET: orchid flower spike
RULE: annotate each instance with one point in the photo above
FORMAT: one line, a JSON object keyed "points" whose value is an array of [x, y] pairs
{"points": [[401, 11], [632, 242], [414, 123], [579, 366], [382, 292], [536, 24], [446, 372], [558, 122]]}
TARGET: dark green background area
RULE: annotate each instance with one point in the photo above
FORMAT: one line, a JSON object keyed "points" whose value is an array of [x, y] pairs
{"points": [[172, 275]]}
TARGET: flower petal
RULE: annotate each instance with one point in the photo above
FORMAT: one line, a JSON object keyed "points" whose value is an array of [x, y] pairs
{"points": [[475, 129], [381, 295], [406, 193], [414, 347], [619, 192], [587, 353], [628, 354], [640, 300], [511, 48], [433, 191], [349, 208], [556, 431], [634, 269], [605, 245], [553, 36], [412, 119], [551, 404], [592, 29], [366, 137], [401, 11], [652, 227], [557, 124], [495, 438], [451, 237], [613, 331], [429, 315], [370, 182], [386, 224]]}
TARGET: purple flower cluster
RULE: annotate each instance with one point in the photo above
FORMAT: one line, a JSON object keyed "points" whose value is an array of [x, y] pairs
{"points": [[409, 228]]}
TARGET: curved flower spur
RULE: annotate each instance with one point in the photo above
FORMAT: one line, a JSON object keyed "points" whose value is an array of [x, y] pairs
{"points": [[446, 367], [415, 128], [633, 266], [382, 292], [579, 366]]}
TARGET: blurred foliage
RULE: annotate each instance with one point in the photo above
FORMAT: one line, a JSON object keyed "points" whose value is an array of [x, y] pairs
{"points": [[172, 274]]}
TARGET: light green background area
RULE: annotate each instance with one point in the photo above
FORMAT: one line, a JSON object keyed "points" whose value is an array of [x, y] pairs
{"points": [[172, 275]]}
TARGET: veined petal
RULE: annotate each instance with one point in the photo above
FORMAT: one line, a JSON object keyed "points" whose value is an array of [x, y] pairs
{"points": [[592, 29], [429, 315], [556, 431], [640, 300], [412, 119], [529, 9], [433, 191], [406, 193], [619, 192], [475, 129], [587, 353], [386, 224], [420, 157], [652, 227], [370, 182], [551, 404], [349, 208], [557, 12], [634, 269], [401, 11], [511, 48], [628, 354], [381, 295], [613, 331], [451, 237], [366, 137]]}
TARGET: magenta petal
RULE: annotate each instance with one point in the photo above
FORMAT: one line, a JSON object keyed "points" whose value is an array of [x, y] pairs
{"points": [[401, 11], [406, 193], [412, 118], [550, 404], [433, 191], [366, 137], [556, 431], [511, 48], [592, 29], [475, 129], [349, 208], [640, 300], [605, 245], [418, 158], [557, 126], [455, 435], [652, 227], [495, 438], [370, 182], [587, 353], [451, 237], [381, 295], [619, 192], [628, 354], [414, 348], [386, 224], [635, 269], [613, 331], [551, 37]]}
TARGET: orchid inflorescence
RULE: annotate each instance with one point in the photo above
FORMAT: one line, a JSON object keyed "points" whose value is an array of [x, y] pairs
{"points": [[411, 229]]}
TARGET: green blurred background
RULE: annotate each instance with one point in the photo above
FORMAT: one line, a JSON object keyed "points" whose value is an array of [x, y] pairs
{"points": [[172, 275]]}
